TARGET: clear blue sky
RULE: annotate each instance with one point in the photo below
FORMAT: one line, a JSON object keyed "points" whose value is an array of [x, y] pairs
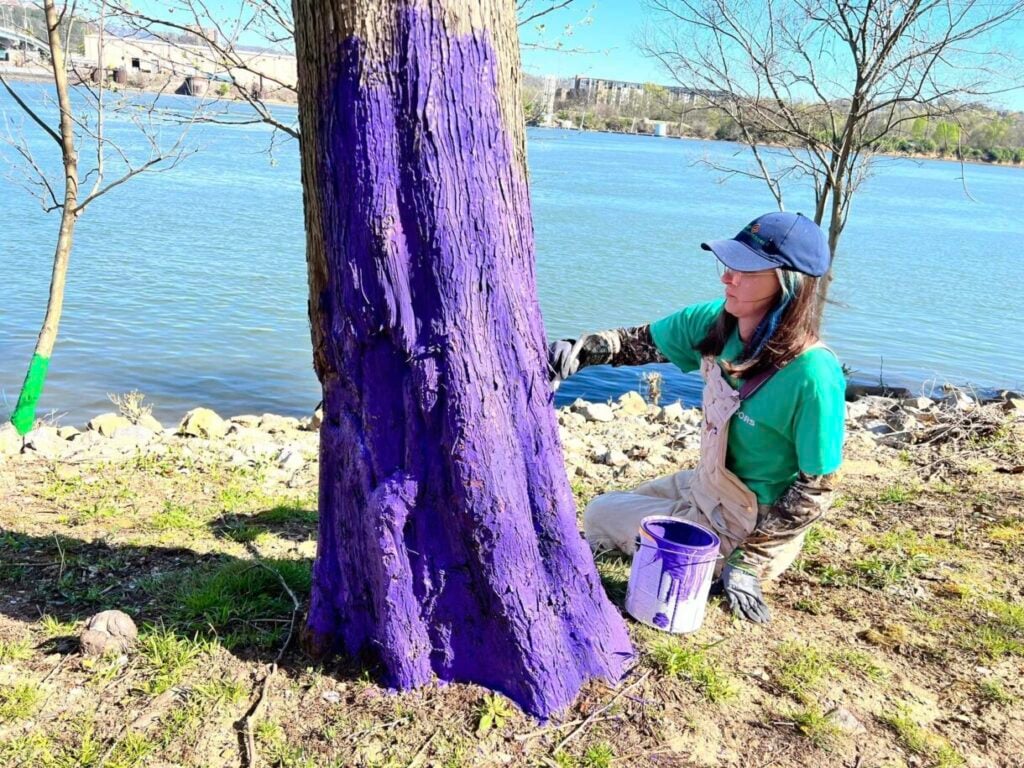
{"points": [[605, 32]]}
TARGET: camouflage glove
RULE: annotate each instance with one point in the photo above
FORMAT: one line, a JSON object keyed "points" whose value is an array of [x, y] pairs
{"points": [[743, 590]]}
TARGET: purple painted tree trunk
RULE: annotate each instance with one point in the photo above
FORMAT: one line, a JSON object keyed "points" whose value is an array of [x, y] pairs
{"points": [[448, 538]]}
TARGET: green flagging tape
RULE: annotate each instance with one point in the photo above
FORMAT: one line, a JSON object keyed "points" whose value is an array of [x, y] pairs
{"points": [[24, 415]]}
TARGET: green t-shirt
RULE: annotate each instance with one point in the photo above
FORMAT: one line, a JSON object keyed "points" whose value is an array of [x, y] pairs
{"points": [[793, 423]]}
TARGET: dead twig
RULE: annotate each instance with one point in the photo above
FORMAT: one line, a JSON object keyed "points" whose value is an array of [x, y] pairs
{"points": [[422, 751], [582, 726], [251, 716]]}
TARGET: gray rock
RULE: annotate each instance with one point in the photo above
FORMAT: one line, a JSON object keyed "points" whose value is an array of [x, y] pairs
{"points": [[654, 412], [107, 423], [919, 403], [672, 413], [846, 721], [131, 437], [632, 404], [290, 459], [45, 441], [570, 418], [150, 422], [202, 422], [958, 400], [271, 422], [246, 420], [594, 411], [315, 420], [858, 409], [67, 433], [615, 458], [108, 632]]}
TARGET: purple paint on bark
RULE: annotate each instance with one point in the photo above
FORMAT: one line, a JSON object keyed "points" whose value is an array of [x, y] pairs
{"points": [[448, 538]]}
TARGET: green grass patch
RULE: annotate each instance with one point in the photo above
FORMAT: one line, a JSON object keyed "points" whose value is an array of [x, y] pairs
{"points": [[613, 568], [802, 669], [920, 740], [19, 701], [1008, 534], [177, 517], [670, 657], [54, 627], [130, 751], [863, 663], [283, 514], [1000, 632], [817, 727], [888, 569], [168, 657], [14, 650], [993, 692], [241, 603], [898, 493]]}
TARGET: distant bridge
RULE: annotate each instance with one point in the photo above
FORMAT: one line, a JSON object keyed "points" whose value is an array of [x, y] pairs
{"points": [[13, 39]]}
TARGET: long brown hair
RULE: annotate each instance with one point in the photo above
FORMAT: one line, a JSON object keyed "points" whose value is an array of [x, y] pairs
{"points": [[797, 329]]}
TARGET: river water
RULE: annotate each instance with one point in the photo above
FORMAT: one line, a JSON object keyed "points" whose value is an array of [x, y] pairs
{"points": [[190, 285]]}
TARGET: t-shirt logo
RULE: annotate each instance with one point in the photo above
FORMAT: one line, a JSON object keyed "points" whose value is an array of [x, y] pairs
{"points": [[746, 419]]}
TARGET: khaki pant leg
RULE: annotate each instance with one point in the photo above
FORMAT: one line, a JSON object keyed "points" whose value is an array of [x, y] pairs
{"points": [[782, 556], [612, 520]]}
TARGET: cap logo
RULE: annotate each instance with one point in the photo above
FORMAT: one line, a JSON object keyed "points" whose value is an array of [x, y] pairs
{"points": [[755, 228]]}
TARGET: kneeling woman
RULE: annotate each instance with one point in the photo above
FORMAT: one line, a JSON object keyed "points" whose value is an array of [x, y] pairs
{"points": [[774, 408]]}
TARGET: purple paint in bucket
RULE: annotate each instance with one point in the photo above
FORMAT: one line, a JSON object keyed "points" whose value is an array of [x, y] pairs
{"points": [[671, 574]]}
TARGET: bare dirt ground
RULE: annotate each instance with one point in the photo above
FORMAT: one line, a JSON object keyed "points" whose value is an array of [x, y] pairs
{"points": [[897, 639]]}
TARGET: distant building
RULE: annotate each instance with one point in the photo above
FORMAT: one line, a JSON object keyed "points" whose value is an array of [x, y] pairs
{"points": [[142, 55], [592, 91]]}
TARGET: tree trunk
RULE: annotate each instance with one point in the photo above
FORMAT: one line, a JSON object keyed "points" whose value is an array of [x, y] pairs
{"points": [[448, 538], [24, 414]]}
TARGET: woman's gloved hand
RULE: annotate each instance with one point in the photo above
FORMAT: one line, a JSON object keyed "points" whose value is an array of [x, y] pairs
{"points": [[563, 360], [742, 588]]}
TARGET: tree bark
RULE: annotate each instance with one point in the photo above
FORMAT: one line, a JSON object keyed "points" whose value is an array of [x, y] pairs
{"points": [[448, 539], [24, 415]]}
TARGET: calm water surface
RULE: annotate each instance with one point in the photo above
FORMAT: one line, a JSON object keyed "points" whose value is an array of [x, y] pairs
{"points": [[190, 285]]}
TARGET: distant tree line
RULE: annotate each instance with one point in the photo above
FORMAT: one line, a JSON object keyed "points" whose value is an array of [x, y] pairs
{"points": [[976, 133]]}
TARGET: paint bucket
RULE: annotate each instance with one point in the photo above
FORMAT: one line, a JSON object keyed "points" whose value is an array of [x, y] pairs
{"points": [[671, 574]]}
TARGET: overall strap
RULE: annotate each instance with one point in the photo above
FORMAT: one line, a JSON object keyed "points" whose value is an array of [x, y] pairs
{"points": [[754, 383]]}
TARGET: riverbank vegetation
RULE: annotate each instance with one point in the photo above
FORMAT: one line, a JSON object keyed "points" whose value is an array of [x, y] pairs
{"points": [[897, 638]]}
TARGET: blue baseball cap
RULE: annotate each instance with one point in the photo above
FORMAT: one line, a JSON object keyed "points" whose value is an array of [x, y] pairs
{"points": [[776, 240]]}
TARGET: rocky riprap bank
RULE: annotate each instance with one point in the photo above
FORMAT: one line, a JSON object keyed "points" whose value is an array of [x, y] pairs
{"points": [[604, 443]]}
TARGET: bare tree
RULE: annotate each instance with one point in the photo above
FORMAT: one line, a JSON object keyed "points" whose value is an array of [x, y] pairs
{"points": [[825, 80], [218, 43], [81, 128]]}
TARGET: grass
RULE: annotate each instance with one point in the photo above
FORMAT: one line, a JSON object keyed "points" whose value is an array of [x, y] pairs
{"points": [[495, 711], [241, 603], [802, 669], [671, 658], [168, 657], [1009, 535], [820, 729], [130, 751], [177, 517], [999, 631], [993, 692], [54, 627], [886, 570], [863, 663], [14, 650], [920, 740], [898, 493], [19, 701]]}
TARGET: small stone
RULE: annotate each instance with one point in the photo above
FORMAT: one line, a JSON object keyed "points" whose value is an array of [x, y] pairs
{"points": [[67, 433], [148, 421], [615, 458], [845, 720], [246, 420], [108, 631], [919, 403], [202, 422], [958, 400], [331, 697], [594, 411], [654, 412], [316, 420], [632, 404], [107, 423], [858, 409], [290, 459], [672, 413]]}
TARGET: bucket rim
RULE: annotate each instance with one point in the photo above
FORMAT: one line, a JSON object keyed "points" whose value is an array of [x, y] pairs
{"points": [[713, 544]]}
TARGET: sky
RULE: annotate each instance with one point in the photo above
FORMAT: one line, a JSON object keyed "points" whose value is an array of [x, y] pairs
{"points": [[597, 41]]}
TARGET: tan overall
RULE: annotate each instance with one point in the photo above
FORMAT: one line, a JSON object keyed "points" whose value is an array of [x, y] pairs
{"points": [[710, 495]]}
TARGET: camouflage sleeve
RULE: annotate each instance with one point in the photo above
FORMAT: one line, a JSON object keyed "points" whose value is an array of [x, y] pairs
{"points": [[622, 346], [806, 500]]}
